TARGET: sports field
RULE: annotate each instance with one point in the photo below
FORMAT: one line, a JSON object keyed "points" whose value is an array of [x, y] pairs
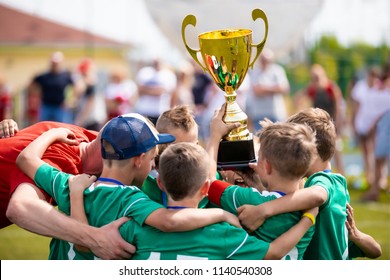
{"points": [[372, 218]]}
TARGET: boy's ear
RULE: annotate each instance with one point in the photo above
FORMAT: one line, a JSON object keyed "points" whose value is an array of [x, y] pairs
{"points": [[204, 190], [159, 183], [138, 160], [267, 167]]}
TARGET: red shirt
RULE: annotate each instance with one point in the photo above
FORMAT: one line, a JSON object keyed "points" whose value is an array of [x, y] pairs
{"points": [[62, 156]]}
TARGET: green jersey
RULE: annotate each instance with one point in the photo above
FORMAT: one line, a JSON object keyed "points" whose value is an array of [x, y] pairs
{"points": [[231, 197], [215, 242], [330, 240], [103, 204]]}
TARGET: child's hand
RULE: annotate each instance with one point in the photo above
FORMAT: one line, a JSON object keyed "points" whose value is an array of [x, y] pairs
{"points": [[218, 128], [8, 128], [78, 183], [232, 219], [63, 135], [250, 217], [350, 222]]}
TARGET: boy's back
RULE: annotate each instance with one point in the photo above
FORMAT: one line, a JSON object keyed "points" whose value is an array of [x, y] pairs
{"points": [[236, 196], [103, 205], [215, 242], [330, 240]]}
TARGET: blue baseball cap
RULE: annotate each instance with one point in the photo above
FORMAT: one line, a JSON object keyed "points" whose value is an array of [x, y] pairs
{"points": [[131, 135]]}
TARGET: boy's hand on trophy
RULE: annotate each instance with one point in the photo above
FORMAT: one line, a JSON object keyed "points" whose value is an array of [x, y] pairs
{"points": [[218, 128]]}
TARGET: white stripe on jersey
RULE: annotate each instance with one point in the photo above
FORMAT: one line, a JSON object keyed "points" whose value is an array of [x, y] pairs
{"points": [[125, 213], [242, 243]]}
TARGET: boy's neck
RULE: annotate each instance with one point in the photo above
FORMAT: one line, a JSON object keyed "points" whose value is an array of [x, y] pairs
{"points": [[284, 185], [186, 202], [318, 166], [116, 174]]}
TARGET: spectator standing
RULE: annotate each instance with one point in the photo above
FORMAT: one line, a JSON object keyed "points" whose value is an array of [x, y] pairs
{"points": [[5, 100], [325, 94], [88, 115], [367, 106], [269, 86], [120, 95], [155, 84], [53, 87], [381, 128], [182, 95]]}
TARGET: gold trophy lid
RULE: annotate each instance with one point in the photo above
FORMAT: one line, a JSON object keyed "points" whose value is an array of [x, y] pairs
{"points": [[225, 33]]}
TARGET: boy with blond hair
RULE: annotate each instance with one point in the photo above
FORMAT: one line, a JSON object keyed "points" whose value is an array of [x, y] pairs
{"points": [[128, 147], [179, 122], [281, 173]]}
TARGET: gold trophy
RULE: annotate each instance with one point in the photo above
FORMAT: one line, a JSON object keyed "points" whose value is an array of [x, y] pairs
{"points": [[226, 55]]}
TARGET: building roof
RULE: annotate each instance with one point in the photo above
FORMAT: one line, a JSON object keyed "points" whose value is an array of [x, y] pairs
{"points": [[22, 28]]}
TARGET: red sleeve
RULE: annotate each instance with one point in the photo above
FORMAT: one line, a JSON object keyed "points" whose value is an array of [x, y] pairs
{"points": [[216, 190], [18, 177]]}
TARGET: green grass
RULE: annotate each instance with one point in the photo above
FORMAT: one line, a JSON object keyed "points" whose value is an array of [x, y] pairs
{"points": [[372, 218]]}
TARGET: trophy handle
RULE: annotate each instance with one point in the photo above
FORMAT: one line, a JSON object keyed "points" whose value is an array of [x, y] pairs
{"points": [[190, 19], [257, 13]]}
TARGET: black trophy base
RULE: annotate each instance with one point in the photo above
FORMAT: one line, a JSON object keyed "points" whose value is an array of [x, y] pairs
{"points": [[235, 155]]}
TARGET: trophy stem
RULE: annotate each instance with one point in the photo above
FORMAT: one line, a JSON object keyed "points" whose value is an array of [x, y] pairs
{"points": [[234, 114]]}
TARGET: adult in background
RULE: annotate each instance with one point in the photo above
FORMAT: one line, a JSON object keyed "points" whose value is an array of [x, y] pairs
{"points": [[88, 112], [367, 105], [53, 86], [24, 204], [156, 84], [323, 93], [269, 86]]}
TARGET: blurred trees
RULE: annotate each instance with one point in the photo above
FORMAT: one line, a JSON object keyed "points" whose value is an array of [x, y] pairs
{"points": [[343, 64]]}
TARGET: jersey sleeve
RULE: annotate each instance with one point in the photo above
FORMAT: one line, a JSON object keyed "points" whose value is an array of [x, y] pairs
{"points": [[230, 197], [55, 183], [322, 180], [139, 206], [239, 245]]}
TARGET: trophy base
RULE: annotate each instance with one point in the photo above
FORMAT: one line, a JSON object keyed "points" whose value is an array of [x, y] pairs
{"points": [[235, 155]]}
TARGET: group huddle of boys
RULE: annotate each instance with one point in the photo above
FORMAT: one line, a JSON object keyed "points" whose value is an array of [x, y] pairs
{"points": [[284, 221]]}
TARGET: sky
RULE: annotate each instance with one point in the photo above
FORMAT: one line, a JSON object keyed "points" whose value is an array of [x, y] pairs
{"points": [[348, 20], [353, 20]]}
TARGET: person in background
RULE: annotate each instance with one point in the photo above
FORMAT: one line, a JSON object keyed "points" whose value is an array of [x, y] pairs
{"points": [[182, 95], [269, 88], [381, 129], [86, 112], [156, 84], [323, 93], [120, 95], [6, 102], [55, 88]]}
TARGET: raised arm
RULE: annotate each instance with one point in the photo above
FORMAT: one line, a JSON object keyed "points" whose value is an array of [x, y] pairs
{"points": [[30, 159], [252, 217], [218, 129], [286, 242]]}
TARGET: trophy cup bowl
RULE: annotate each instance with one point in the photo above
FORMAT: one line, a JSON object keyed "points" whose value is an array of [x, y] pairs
{"points": [[226, 55]]}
